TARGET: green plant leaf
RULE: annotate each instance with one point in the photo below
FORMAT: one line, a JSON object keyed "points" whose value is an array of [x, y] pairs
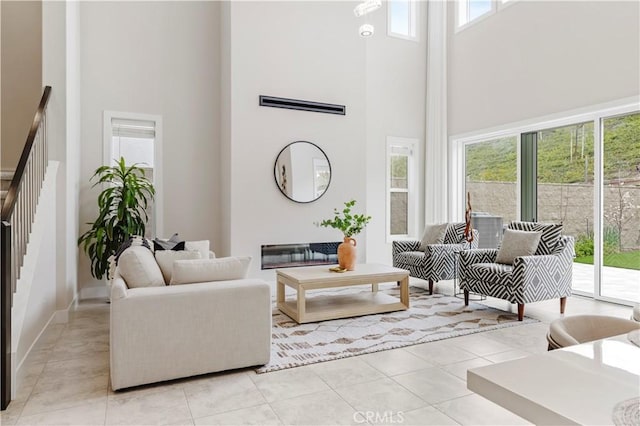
{"points": [[122, 212]]}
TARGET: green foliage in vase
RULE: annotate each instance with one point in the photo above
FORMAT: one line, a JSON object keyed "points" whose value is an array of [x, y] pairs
{"points": [[349, 223], [122, 213]]}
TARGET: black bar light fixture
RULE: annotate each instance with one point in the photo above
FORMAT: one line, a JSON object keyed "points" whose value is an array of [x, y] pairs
{"points": [[274, 102]]}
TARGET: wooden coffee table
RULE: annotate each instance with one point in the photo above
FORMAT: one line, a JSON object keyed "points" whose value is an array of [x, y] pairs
{"points": [[325, 307]]}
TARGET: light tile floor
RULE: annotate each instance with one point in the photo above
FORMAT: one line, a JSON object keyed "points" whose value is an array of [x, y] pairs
{"points": [[66, 380]]}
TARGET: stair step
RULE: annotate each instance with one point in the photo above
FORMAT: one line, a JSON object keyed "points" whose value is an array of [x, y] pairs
{"points": [[5, 179]]}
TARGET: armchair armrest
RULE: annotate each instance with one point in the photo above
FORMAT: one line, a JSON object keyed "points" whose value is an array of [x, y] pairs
{"points": [[469, 257], [402, 246], [536, 261], [543, 277]]}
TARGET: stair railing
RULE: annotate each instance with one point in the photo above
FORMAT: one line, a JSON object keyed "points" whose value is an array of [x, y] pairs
{"points": [[18, 212]]}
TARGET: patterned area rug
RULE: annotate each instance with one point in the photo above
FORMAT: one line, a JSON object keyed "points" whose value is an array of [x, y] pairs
{"points": [[429, 318]]}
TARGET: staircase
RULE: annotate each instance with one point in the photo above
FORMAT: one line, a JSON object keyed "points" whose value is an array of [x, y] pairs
{"points": [[19, 204], [5, 182]]}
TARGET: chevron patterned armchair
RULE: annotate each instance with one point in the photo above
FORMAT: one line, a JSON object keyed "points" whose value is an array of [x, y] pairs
{"points": [[438, 261], [542, 276]]}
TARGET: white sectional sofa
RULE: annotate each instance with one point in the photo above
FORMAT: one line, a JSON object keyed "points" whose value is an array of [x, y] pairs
{"points": [[167, 332]]}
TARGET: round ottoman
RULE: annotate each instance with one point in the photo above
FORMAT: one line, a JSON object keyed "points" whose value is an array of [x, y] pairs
{"points": [[586, 328]]}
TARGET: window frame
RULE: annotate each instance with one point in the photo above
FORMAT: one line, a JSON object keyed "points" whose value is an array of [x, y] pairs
{"points": [[414, 33], [594, 113], [412, 203], [107, 157], [468, 23]]}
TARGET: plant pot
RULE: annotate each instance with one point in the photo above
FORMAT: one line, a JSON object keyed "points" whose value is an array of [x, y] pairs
{"points": [[347, 254]]}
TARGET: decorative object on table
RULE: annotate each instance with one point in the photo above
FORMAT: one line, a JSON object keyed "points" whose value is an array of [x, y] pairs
{"points": [[350, 224], [468, 234], [122, 213], [429, 318], [433, 260]]}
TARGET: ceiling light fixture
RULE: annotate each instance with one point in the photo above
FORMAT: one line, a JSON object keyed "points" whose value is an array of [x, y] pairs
{"points": [[366, 30], [366, 7]]}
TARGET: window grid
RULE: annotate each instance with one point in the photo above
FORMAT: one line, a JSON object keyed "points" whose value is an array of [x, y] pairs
{"points": [[471, 11], [137, 138], [400, 188]]}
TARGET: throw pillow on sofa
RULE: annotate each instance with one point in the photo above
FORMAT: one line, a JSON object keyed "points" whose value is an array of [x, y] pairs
{"points": [[207, 270], [433, 234], [517, 244], [173, 243], [165, 259], [139, 268], [135, 240], [201, 246]]}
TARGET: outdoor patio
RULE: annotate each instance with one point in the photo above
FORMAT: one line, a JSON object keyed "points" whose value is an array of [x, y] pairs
{"points": [[617, 283]]}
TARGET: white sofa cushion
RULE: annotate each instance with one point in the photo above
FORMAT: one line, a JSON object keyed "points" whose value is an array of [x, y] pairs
{"points": [[165, 259], [138, 267], [206, 270], [201, 246]]}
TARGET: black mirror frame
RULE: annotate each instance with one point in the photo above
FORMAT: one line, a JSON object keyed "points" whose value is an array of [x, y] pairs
{"points": [[275, 172]]}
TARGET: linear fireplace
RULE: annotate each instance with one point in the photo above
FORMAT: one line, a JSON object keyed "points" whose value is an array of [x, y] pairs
{"points": [[303, 254]]}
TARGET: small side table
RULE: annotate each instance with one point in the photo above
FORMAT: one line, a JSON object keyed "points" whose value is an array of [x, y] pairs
{"points": [[476, 297]]}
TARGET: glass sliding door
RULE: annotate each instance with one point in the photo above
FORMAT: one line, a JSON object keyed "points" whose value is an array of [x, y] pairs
{"points": [[582, 171], [621, 207], [491, 179], [565, 191]]}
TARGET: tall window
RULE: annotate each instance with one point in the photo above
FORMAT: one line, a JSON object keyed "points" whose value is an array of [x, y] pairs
{"points": [[402, 19], [491, 180], [136, 138], [581, 170], [400, 187], [621, 207]]}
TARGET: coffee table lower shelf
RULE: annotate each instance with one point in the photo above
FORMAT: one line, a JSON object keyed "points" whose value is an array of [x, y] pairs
{"points": [[321, 308]]}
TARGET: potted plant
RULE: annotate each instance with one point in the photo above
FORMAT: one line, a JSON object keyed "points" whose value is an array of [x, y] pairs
{"points": [[350, 224], [122, 213]]}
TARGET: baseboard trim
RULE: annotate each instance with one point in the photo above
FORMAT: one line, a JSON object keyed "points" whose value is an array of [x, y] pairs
{"points": [[62, 316], [94, 293], [16, 366]]}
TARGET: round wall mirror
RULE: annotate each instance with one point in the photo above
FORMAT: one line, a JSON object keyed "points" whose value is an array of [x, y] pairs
{"points": [[302, 172]]}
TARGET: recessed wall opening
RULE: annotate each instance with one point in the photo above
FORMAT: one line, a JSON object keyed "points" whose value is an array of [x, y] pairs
{"points": [[301, 254]]}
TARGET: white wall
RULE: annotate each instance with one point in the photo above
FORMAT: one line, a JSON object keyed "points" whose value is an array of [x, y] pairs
{"points": [[156, 58], [21, 74], [59, 61], [72, 160], [202, 66], [535, 58], [396, 77], [34, 303], [300, 50]]}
